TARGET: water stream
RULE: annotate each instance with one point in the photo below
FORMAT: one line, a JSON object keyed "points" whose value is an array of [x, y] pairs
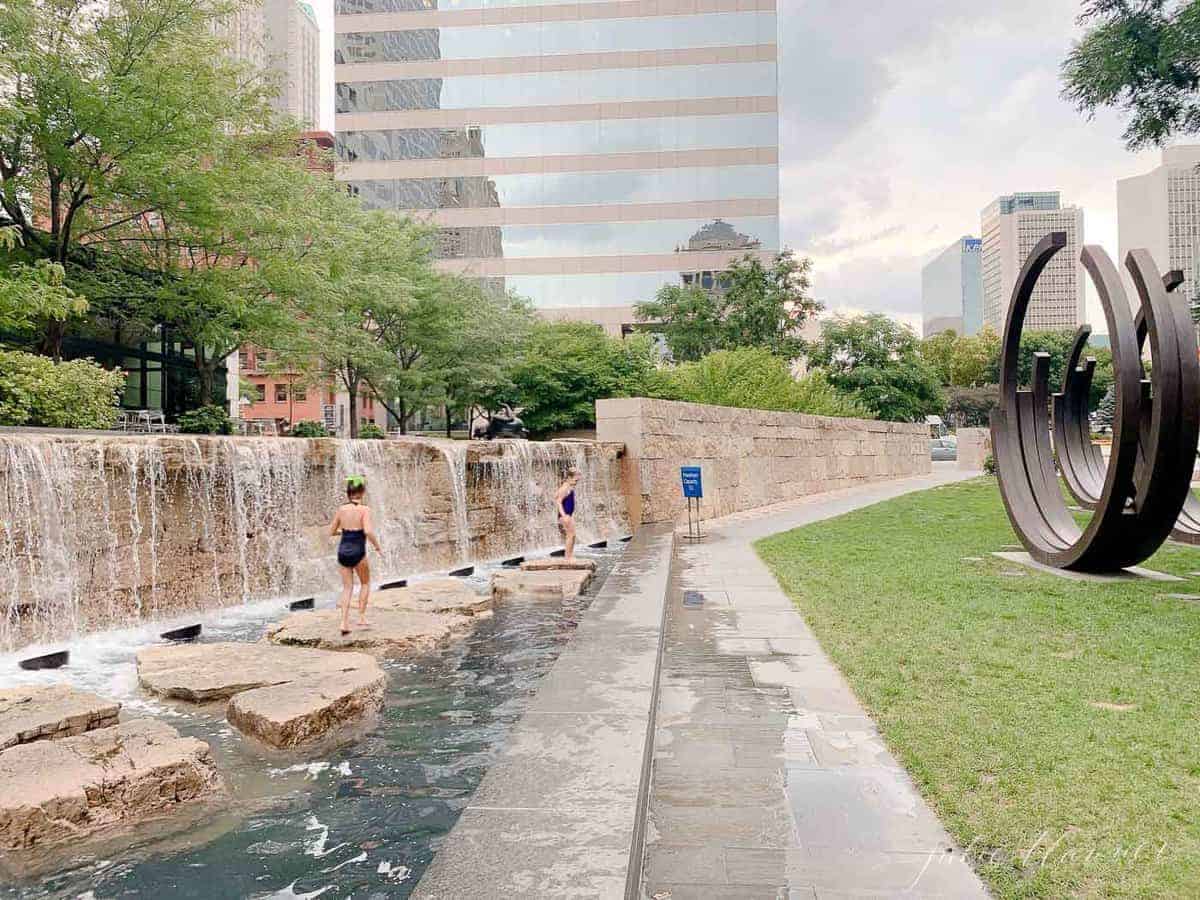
{"points": [[363, 821]]}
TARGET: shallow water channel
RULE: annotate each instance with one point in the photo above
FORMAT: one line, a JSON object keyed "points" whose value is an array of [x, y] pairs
{"points": [[363, 820]]}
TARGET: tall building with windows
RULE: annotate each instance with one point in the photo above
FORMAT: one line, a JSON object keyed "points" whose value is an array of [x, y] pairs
{"points": [[1011, 226], [952, 289], [1160, 211], [569, 152], [294, 51]]}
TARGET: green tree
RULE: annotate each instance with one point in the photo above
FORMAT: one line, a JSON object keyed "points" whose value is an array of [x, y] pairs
{"points": [[113, 115], [971, 407], [974, 358], [754, 306], [31, 295], [754, 378], [568, 366], [878, 361], [938, 351], [1143, 58]]}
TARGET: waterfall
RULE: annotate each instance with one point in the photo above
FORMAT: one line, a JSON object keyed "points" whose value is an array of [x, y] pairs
{"points": [[100, 531]]}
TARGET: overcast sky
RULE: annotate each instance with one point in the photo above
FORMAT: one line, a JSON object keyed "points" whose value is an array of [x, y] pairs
{"points": [[901, 121]]}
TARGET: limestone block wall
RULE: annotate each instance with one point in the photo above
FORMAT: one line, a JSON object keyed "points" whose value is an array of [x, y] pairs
{"points": [[974, 445], [749, 458]]}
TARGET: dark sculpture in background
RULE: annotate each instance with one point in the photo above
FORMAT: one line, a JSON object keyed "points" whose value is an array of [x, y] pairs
{"points": [[1143, 493]]}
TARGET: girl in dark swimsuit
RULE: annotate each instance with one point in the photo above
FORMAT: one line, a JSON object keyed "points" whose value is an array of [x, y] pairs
{"points": [[353, 522], [564, 502]]}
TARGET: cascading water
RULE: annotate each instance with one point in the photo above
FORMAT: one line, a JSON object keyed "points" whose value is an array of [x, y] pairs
{"points": [[106, 531]]}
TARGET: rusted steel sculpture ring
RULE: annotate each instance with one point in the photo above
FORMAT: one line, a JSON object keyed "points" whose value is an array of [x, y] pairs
{"points": [[1139, 494]]}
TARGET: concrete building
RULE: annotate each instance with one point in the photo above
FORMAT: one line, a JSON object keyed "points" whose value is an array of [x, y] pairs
{"points": [[282, 37], [952, 289], [566, 152], [1160, 211], [1010, 227], [294, 51]]}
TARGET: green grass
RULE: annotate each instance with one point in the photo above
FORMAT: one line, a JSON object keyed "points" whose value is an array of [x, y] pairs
{"points": [[987, 686]]}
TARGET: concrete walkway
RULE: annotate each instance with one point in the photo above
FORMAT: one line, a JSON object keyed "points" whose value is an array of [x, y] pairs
{"points": [[768, 778]]}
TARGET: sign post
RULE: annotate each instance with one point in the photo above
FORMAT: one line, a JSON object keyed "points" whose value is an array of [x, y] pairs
{"points": [[693, 492]]}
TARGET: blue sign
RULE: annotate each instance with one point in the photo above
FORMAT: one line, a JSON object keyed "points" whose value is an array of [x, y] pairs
{"points": [[692, 487]]}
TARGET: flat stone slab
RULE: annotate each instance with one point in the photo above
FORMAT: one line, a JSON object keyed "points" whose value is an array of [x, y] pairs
{"points": [[551, 584], [36, 713], [56, 791], [404, 621], [1133, 573], [557, 563], [283, 696]]}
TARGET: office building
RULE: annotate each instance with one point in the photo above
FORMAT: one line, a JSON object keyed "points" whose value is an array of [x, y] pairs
{"points": [[952, 289], [568, 153], [1160, 211], [282, 37], [1011, 226]]}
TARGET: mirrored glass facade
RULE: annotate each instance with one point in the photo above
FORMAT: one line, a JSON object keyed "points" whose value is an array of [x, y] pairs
{"points": [[582, 155]]}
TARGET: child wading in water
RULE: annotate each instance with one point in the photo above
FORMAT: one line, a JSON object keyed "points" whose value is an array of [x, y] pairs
{"points": [[564, 502], [353, 522]]}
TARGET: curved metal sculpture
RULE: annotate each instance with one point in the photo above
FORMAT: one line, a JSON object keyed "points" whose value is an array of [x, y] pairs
{"points": [[1138, 495]]}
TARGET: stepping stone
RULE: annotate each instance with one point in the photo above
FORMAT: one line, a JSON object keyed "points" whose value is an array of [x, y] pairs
{"points": [[57, 791], [30, 713], [557, 563], [540, 584], [283, 696], [407, 621]]}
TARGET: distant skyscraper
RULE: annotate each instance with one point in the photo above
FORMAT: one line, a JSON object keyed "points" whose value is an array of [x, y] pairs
{"points": [[282, 36], [1011, 227], [1160, 211], [952, 289], [567, 149], [294, 51], [714, 236]]}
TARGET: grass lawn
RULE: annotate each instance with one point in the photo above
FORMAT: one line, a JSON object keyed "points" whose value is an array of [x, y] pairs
{"points": [[1054, 725]]}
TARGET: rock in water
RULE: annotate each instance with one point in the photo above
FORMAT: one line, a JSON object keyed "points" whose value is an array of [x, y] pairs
{"points": [[556, 564], [416, 619], [282, 696], [34, 713], [553, 584], [60, 790]]}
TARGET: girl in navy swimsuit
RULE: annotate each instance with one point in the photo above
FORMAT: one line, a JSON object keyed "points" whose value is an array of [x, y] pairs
{"points": [[353, 522], [564, 502]]}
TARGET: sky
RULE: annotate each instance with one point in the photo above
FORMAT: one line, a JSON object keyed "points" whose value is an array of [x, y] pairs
{"points": [[900, 121]]}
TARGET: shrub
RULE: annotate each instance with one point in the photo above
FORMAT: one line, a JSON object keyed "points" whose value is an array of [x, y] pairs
{"points": [[754, 378], [209, 419], [309, 429], [989, 464], [35, 390], [371, 432]]}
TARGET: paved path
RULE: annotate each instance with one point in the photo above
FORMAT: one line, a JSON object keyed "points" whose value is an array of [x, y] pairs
{"points": [[768, 778]]}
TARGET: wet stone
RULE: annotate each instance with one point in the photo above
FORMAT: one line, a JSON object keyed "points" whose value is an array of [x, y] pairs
{"points": [[284, 697], [56, 791], [546, 584], [35, 713]]}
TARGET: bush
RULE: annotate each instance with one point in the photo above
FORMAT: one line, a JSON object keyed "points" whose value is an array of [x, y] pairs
{"points": [[309, 429], [209, 419], [989, 464], [754, 378], [371, 432], [35, 390]]}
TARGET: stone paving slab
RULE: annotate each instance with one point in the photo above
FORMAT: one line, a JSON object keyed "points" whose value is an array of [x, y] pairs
{"points": [[559, 814], [769, 780]]}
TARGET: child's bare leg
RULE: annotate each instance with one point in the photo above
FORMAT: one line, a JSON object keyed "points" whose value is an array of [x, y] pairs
{"points": [[364, 590], [570, 542], [347, 592]]}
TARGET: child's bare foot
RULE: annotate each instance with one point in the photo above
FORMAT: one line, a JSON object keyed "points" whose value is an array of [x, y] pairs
{"points": [[363, 623]]}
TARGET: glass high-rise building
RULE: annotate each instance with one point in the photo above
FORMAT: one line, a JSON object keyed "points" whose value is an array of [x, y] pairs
{"points": [[569, 152]]}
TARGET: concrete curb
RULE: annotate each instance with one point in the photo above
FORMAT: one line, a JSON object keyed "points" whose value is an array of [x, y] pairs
{"points": [[561, 812]]}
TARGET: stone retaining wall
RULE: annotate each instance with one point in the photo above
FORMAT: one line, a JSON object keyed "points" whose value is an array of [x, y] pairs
{"points": [[974, 445], [749, 458]]}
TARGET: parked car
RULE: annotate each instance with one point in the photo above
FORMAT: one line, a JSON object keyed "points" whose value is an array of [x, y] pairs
{"points": [[943, 449]]}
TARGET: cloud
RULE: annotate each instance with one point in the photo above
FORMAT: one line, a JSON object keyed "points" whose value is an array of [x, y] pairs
{"points": [[900, 122]]}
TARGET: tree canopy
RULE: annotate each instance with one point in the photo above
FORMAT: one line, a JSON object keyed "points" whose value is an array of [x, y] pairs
{"points": [[1141, 57], [752, 306]]}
